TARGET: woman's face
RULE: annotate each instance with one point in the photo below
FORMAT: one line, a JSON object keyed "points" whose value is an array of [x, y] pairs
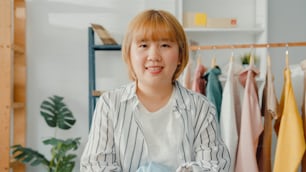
{"points": [[154, 62]]}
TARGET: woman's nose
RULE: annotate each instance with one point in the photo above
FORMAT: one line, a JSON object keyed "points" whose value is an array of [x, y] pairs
{"points": [[154, 54]]}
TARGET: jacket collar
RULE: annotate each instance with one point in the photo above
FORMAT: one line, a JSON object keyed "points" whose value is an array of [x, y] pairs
{"points": [[180, 97], [129, 92], [180, 92]]}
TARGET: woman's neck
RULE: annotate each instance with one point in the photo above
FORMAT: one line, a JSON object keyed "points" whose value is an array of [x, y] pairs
{"points": [[154, 98]]}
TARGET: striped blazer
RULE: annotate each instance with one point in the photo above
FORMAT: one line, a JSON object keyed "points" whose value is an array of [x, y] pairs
{"points": [[116, 142]]}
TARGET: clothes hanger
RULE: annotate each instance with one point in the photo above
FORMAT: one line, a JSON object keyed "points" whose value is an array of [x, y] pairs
{"points": [[232, 56], [252, 56], [213, 60], [199, 61], [269, 61], [287, 57], [268, 57]]}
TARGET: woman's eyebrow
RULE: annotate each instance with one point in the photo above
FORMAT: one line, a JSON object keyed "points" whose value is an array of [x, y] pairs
{"points": [[143, 40], [167, 39]]}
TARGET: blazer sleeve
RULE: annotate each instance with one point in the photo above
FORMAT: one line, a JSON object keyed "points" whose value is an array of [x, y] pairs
{"points": [[99, 153], [211, 154]]}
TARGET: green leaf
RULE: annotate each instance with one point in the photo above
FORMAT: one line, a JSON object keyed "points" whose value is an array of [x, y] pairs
{"points": [[56, 113], [66, 166], [65, 145], [27, 155]]}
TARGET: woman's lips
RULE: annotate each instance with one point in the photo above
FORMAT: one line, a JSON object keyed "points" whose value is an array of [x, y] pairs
{"points": [[154, 69]]}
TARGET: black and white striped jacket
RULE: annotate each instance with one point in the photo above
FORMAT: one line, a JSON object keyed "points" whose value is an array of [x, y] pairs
{"points": [[116, 141]]}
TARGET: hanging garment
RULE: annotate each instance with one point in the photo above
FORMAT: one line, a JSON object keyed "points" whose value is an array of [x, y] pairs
{"points": [[251, 124], [228, 127], [270, 111], [238, 91], [291, 144], [214, 88], [187, 76], [303, 66], [296, 74], [198, 84], [297, 80]]}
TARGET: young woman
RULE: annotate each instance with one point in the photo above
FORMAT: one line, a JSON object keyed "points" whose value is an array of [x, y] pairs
{"points": [[154, 123]]}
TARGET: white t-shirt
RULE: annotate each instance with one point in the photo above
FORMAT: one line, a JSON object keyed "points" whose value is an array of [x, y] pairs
{"points": [[162, 132]]}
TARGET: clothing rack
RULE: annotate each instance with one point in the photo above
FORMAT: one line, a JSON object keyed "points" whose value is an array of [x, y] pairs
{"points": [[237, 46]]}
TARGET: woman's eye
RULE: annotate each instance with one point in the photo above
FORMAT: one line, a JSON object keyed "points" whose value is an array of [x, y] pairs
{"points": [[143, 45], [165, 45]]}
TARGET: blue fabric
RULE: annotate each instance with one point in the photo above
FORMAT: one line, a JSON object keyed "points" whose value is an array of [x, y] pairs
{"points": [[154, 167], [214, 88]]}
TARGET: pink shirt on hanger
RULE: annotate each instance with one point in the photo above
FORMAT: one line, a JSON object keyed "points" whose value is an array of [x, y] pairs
{"points": [[198, 84], [251, 123]]}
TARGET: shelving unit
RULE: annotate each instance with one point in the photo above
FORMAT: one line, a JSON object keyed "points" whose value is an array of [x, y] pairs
{"points": [[92, 48], [251, 15], [13, 81], [6, 75]]}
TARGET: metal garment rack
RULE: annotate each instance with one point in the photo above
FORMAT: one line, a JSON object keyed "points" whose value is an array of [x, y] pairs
{"points": [[251, 46]]}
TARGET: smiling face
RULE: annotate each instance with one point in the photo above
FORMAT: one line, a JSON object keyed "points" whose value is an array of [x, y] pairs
{"points": [[154, 61], [155, 47]]}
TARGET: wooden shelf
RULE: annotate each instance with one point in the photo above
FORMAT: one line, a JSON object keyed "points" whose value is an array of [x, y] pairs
{"points": [[18, 105], [19, 49], [97, 93], [6, 79], [12, 82], [16, 165]]}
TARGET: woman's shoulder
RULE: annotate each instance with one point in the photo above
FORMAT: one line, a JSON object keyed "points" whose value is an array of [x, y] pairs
{"points": [[192, 100], [124, 91], [190, 93]]}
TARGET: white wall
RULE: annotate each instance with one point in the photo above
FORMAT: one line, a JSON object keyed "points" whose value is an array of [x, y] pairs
{"points": [[286, 24], [57, 53]]}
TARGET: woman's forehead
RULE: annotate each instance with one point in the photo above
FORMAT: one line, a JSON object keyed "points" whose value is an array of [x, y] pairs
{"points": [[158, 35]]}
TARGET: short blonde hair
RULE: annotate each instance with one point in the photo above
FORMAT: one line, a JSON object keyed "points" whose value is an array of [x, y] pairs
{"points": [[152, 24]]}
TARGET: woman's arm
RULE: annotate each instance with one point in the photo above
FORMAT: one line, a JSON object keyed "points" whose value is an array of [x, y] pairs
{"points": [[99, 153], [211, 153]]}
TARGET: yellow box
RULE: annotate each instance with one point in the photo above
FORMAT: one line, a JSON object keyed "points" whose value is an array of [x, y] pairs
{"points": [[194, 19], [221, 22]]}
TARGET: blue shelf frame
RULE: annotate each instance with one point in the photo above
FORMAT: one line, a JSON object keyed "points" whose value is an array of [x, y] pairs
{"points": [[92, 48]]}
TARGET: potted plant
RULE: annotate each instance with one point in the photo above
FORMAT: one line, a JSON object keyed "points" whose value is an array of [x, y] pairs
{"points": [[57, 115], [245, 59]]}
